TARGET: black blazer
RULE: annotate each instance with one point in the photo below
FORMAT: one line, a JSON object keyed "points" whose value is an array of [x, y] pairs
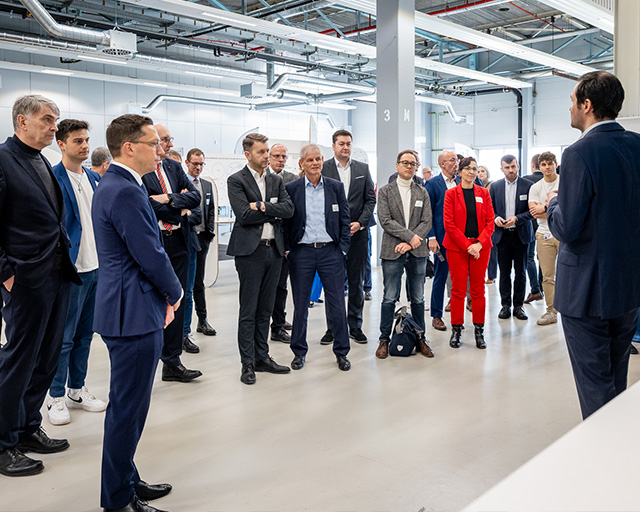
{"points": [[190, 200], [524, 224], [31, 231], [242, 189], [362, 194], [337, 222]]}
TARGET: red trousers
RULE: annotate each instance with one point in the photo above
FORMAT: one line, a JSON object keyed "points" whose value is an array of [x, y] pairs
{"points": [[465, 269]]}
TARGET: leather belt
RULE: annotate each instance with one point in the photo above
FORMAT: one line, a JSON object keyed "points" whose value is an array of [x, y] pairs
{"points": [[172, 232], [317, 245], [267, 242]]}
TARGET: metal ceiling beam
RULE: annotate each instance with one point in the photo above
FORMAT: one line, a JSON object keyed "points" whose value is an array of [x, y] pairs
{"points": [[586, 10]]}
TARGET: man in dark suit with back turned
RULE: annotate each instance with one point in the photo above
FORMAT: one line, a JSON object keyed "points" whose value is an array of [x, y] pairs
{"points": [[35, 272], [513, 234], [173, 198], [596, 218], [138, 293], [318, 238], [259, 201], [360, 193]]}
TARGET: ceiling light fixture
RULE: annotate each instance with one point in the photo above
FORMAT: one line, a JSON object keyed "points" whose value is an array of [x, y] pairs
{"points": [[59, 72], [231, 21], [585, 10], [103, 60]]}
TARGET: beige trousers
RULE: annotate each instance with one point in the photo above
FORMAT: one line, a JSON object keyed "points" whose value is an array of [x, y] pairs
{"points": [[547, 254]]}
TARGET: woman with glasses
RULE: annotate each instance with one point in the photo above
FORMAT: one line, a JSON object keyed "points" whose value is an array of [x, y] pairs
{"points": [[468, 224]]}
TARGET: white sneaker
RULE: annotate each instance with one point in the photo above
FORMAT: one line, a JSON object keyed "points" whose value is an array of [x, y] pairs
{"points": [[58, 412], [548, 318], [82, 399]]}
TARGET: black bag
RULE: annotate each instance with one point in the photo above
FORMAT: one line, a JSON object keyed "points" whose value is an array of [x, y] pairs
{"points": [[406, 334]]}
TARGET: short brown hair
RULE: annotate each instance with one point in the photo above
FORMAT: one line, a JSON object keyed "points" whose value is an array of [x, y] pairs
{"points": [[126, 128], [407, 152], [535, 161], [66, 126], [547, 156], [336, 134], [466, 162], [194, 152], [251, 139], [605, 92]]}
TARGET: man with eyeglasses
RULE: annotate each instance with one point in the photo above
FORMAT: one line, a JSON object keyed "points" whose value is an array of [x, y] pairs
{"points": [[174, 199], [137, 296], [361, 196], [204, 232], [278, 155]]}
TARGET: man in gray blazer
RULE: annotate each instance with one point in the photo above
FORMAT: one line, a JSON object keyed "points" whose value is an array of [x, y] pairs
{"points": [[259, 202], [360, 192], [404, 213]]}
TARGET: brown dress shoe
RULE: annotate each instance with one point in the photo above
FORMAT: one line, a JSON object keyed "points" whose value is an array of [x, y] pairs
{"points": [[447, 308], [532, 297], [383, 349], [438, 324], [489, 281], [424, 348]]}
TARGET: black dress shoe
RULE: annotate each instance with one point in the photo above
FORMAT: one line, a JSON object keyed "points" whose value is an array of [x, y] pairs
{"points": [[634, 350], [297, 363], [520, 314], [287, 326], [205, 328], [189, 346], [148, 492], [280, 335], [505, 313], [456, 333], [270, 366], [343, 363], [248, 375], [179, 373], [136, 505], [357, 335], [40, 442], [15, 463], [367, 295], [327, 339]]}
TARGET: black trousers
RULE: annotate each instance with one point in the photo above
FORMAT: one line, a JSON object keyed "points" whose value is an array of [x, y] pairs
{"points": [[356, 261], [279, 317], [198, 285], [599, 352], [34, 325], [258, 274], [176, 249], [512, 253]]}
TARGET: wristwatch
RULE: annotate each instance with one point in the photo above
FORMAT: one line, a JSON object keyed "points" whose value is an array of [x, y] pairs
{"points": [[259, 205]]}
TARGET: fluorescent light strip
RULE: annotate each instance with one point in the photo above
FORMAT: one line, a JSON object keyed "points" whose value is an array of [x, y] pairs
{"points": [[57, 72], [231, 21], [155, 84], [105, 61]]}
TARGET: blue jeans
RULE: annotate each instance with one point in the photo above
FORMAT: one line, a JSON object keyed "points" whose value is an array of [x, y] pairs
{"points": [[532, 269], [392, 276], [188, 293], [76, 340]]}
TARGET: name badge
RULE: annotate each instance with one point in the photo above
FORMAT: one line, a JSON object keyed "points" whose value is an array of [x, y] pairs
{"points": [[418, 204], [335, 207], [523, 197], [274, 200], [359, 177], [478, 199]]}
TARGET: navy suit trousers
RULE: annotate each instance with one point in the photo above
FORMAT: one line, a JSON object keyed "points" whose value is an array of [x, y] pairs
{"points": [[134, 360], [512, 253], [176, 249], [599, 352], [440, 273], [328, 261]]}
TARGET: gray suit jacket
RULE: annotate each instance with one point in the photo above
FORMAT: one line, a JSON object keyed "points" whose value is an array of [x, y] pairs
{"points": [[392, 221], [287, 177]]}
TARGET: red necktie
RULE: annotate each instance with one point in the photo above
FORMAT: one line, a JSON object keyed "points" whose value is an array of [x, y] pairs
{"points": [[163, 186]]}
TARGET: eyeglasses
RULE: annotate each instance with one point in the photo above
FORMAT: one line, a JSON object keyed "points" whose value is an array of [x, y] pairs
{"points": [[409, 164], [152, 144], [278, 157], [166, 140], [197, 164]]}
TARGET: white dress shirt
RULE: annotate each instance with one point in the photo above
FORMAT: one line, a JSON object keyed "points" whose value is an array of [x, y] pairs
{"points": [[345, 175], [267, 228], [510, 193]]}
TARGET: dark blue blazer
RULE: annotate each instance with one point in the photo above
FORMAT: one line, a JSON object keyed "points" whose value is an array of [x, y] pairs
{"points": [[136, 280], [31, 230], [596, 218], [71, 213], [436, 188], [524, 224], [337, 223], [362, 193]]}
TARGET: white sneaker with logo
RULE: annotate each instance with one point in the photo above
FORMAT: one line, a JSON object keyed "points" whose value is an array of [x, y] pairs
{"points": [[548, 318], [82, 399], [57, 411]]}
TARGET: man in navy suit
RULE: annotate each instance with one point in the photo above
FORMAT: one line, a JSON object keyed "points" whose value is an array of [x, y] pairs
{"points": [[174, 199], [596, 218], [78, 185], [35, 272], [138, 293], [513, 234], [317, 239], [436, 188], [361, 196]]}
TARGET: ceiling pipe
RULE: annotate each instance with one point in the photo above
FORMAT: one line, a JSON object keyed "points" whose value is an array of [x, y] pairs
{"points": [[285, 77], [65, 31], [193, 101]]}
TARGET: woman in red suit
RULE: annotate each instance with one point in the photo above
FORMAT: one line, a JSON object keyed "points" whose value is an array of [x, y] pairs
{"points": [[468, 225]]}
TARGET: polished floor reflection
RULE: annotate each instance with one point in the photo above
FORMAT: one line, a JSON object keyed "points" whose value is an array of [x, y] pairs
{"points": [[401, 434]]}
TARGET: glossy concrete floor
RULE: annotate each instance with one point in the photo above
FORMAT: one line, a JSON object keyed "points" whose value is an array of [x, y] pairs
{"points": [[401, 434]]}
